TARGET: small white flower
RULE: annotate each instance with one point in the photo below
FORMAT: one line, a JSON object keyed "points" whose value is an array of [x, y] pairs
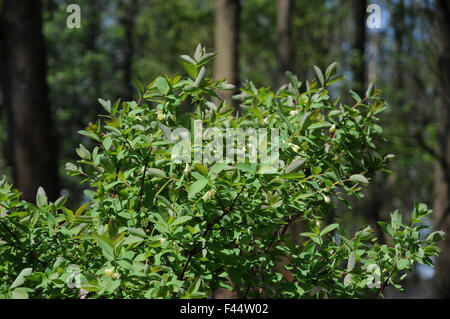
{"points": [[108, 272], [265, 121], [187, 169], [111, 273], [209, 194], [83, 293], [326, 199], [294, 147], [293, 113], [332, 129], [115, 275], [160, 115]]}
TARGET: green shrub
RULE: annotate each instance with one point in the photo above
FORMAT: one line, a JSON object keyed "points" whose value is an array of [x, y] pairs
{"points": [[157, 227]]}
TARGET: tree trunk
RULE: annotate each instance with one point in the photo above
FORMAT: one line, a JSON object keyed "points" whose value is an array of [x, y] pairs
{"points": [[33, 148], [226, 65], [284, 39], [373, 56], [442, 179], [92, 29], [358, 64], [128, 22], [399, 32]]}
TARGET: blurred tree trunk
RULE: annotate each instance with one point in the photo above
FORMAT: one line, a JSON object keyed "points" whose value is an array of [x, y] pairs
{"points": [[31, 144], [442, 179], [373, 56], [129, 8], [92, 29], [226, 65], [358, 64], [284, 39], [373, 206], [399, 32]]}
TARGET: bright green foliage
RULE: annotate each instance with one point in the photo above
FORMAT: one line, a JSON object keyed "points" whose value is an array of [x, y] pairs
{"points": [[156, 228]]}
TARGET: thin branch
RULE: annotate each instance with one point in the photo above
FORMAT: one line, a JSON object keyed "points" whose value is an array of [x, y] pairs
{"points": [[208, 229], [441, 159], [141, 190], [386, 283]]}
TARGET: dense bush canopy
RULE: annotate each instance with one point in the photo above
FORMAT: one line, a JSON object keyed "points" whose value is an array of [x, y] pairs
{"points": [[161, 222]]}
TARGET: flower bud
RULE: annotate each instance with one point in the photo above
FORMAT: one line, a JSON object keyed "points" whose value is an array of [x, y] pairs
{"points": [[294, 147], [332, 129], [209, 194]]}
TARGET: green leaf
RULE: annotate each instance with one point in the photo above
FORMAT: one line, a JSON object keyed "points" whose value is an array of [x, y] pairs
{"points": [[89, 134], [351, 262], [166, 131], [201, 169], [106, 104], [107, 142], [328, 229], [319, 75], [59, 203], [155, 172], [191, 69], [369, 91], [112, 229], [162, 85], [83, 152], [396, 220], [217, 168], [292, 79], [295, 165], [106, 245], [308, 234], [200, 76], [196, 187], [198, 52], [111, 285], [205, 59], [21, 277], [130, 240], [181, 220], [81, 210], [402, 264], [358, 178], [41, 198], [348, 280], [436, 236], [267, 170], [355, 96], [330, 70], [226, 86], [188, 59], [17, 294], [137, 232]]}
